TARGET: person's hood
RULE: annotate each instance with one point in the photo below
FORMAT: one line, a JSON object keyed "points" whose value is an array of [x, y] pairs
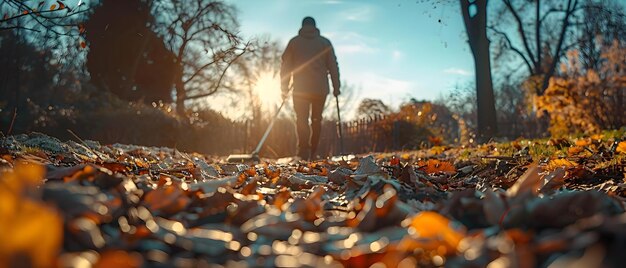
{"points": [[308, 31]]}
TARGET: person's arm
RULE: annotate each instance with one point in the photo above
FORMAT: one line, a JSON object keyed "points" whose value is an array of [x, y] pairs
{"points": [[286, 69], [333, 70]]}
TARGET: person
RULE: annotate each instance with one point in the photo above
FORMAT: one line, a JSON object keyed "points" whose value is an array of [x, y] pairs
{"points": [[306, 62]]}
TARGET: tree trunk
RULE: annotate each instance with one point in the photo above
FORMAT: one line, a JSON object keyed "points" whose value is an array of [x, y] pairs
{"points": [[476, 28], [181, 96]]}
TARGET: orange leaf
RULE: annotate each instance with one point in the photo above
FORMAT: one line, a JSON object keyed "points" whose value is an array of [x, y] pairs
{"points": [[436, 141], [251, 172], [83, 44], [621, 147], [30, 230], [436, 166], [61, 5], [281, 198], [120, 259], [169, 199], [53, 7], [324, 172], [431, 231], [250, 188], [574, 150], [271, 172], [582, 142]]}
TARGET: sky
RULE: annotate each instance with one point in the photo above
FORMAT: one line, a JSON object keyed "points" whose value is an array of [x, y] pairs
{"points": [[388, 50]]}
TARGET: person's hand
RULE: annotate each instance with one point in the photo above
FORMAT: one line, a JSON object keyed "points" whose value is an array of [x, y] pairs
{"points": [[336, 92]]}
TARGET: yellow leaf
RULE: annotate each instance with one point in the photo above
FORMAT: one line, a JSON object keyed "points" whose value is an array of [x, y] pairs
{"points": [[437, 150], [583, 142], [28, 227], [563, 163], [431, 231], [621, 147]]}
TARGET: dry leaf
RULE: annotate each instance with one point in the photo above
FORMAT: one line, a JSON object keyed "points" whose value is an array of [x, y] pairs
{"points": [[530, 181], [621, 147], [435, 166], [169, 199], [574, 150], [560, 163], [28, 228], [119, 259], [431, 231], [582, 142]]}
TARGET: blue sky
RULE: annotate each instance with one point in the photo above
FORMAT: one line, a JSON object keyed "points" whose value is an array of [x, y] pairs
{"points": [[390, 50]]}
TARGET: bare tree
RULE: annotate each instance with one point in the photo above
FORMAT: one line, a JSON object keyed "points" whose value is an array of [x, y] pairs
{"points": [[203, 36], [541, 37]]}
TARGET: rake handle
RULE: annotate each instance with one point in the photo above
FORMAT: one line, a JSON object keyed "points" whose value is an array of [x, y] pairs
{"points": [[339, 126]]}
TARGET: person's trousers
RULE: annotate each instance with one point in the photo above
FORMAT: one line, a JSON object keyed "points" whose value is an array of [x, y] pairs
{"points": [[308, 107]]}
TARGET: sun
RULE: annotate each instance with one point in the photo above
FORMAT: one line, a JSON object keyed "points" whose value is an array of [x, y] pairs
{"points": [[267, 87]]}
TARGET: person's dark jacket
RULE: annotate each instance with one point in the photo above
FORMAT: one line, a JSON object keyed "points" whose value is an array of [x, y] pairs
{"points": [[309, 58]]}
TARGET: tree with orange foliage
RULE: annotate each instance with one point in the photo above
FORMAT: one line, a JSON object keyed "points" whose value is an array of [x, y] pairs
{"points": [[587, 100]]}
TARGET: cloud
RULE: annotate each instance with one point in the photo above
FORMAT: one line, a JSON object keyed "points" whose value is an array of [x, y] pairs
{"points": [[361, 13], [458, 71], [380, 86], [397, 54], [353, 49], [352, 43]]}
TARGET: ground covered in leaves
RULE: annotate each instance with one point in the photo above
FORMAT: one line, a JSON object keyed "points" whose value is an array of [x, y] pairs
{"points": [[557, 203]]}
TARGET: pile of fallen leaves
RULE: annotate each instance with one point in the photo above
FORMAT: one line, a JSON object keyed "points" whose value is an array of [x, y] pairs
{"points": [[520, 204]]}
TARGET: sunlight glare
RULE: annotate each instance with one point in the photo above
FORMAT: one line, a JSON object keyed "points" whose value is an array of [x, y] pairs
{"points": [[268, 89]]}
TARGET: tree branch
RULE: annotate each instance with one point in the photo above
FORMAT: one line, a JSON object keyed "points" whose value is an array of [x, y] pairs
{"points": [[219, 81], [516, 50], [520, 29], [571, 7]]}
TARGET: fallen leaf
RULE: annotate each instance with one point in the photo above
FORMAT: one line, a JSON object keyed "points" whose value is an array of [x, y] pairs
{"points": [[574, 150], [29, 229], [528, 182], [621, 147], [435, 166], [119, 259], [169, 199], [560, 163], [429, 230]]}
